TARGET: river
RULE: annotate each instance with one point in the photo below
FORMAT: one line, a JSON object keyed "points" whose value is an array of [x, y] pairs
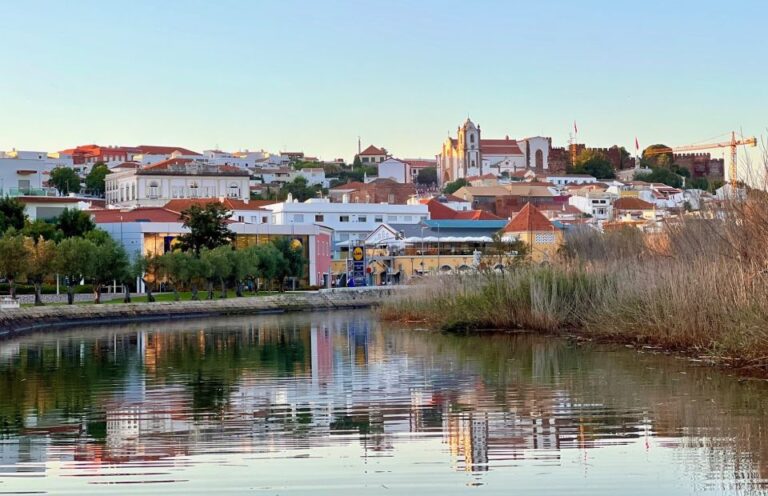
{"points": [[339, 403]]}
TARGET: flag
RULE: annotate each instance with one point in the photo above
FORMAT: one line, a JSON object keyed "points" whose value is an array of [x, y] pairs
{"points": [[637, 144], [575, 129]]}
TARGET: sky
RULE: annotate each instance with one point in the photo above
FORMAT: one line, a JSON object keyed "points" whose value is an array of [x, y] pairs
{"points": [[314, 75]]}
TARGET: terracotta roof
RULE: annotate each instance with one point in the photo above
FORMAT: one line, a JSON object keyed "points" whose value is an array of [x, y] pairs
{"points": [[629, 203], [164, 164], [372, 150], [142, 214], [182, 204], [529, 219], [349, 185], [164, 150], [420, 162], [440, 211], [499, 147], [127, 165]]}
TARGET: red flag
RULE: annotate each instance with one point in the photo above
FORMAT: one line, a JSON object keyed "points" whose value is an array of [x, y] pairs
{"points": [[637, 144], [575, 129]]}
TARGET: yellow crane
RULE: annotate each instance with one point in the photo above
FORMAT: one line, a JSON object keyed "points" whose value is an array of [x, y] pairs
{"points": [[732, 144]]}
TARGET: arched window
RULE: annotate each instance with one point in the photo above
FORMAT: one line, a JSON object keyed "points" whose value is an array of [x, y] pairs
{"points": [[471, 138], [194, 190], [234, 190], [153, 189], [539, 159]]}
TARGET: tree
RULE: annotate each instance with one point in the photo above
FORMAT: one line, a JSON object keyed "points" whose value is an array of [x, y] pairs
{"points": [[109, 262], [144, 266], [269, 260], [95, 181], [594, 163], [506, 253], [454, 186], [13, 258], [218, 268], [11, 214], [657, 156], [293, 261], [357, 162], [74, 223], [174, 265], [661, 175], [245, 266], [427, 175], [65, 180], [207, 227], [41, 263], [299, 189], [41, 229], [73, 256]]}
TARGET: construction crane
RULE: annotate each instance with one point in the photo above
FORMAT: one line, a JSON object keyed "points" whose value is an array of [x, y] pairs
{"points": [[732, 144]]}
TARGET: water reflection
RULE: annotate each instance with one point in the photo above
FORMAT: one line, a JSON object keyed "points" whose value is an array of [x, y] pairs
{"points": [[339, 401]]}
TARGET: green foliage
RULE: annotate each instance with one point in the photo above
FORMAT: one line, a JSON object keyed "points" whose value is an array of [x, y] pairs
{"points": [[293, 260], [269, 261], [11, 214], [65, 180], [454, 186], [74, 223], [41, 260], [300, 190], [427, 175], [95, 181], [594, 163], [14, 257], [657, 156], [108, 262], [661, 175], [207, 227], [41, 229], [356, 163], [73, 257]]}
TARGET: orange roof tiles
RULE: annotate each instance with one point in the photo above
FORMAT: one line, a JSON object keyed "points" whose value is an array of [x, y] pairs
{"points": [[372, 150], [629, 203], [182, 204], [529, 219], [164, 150]]}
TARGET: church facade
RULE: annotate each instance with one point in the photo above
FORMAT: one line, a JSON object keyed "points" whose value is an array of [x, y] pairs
{"points": [[470, 155]]}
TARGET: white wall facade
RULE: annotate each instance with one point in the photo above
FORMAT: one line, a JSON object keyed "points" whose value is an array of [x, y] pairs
{"points": [[394, 169], [146, 190]]}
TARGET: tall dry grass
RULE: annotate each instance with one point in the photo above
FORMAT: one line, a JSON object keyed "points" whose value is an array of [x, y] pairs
{"points": [[700, 285]]}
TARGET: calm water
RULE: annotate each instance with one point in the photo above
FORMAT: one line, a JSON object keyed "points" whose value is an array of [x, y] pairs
{"points": [[338, 403]]}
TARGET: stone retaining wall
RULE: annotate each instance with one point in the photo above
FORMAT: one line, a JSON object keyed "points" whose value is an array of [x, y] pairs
{"points": [[16, 321]]}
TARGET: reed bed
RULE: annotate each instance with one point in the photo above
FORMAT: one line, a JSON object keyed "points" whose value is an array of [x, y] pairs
{"points": [[700, 286]]}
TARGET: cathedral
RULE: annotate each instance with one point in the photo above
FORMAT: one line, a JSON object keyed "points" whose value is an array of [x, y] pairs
{"points": [[470, 155]]}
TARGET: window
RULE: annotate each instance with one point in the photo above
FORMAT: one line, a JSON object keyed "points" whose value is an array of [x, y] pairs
{"points": [[265, 220], [365, 160], [391, 218], [319, 218], [471, 138], [391, 198], [343, 218], [153, 188], [194, 190], [544, 238], [407, 218], [378, 218], [234, 190], [298, 218], [362, 218]]}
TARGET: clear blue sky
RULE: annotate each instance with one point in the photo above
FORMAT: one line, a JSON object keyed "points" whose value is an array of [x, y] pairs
{"points": [[313, 75]]}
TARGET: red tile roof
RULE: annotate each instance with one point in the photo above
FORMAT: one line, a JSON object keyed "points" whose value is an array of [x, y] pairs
{"points": [[180, 205], [142, 214], [372, 150], [500, 147], [164, 150], [165, 164], [440, 211], [529, 219], [630, 203]]}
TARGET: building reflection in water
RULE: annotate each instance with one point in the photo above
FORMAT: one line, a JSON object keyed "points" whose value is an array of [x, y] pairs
{"points": [[271, 384]]}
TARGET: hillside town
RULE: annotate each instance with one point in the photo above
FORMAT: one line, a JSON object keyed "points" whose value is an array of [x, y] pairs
{"points": [[479, 203]]}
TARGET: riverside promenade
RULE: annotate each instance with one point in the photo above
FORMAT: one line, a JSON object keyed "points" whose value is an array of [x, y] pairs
{"points": [[16, 321]]}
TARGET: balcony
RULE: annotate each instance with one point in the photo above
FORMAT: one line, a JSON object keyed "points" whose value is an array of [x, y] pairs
{"points": [[14, 192]]}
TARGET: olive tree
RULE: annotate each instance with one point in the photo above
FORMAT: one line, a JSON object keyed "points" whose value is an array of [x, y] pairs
{"points": [[41, 263], [73, 256], [13, 258]]}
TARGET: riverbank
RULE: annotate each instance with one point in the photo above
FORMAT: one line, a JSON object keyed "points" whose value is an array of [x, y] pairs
{"points": [[16, 321], [701, 311]]}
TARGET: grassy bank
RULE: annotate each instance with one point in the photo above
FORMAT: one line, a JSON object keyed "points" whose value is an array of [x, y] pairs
{"points": [[698, 287]]}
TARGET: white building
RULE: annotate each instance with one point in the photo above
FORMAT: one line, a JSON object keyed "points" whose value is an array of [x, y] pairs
{"points": [[315, 176], [394, 169], [349, 221], [596, 204], [156, 184], [469, 155], [26, 172], [565, 179]]}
